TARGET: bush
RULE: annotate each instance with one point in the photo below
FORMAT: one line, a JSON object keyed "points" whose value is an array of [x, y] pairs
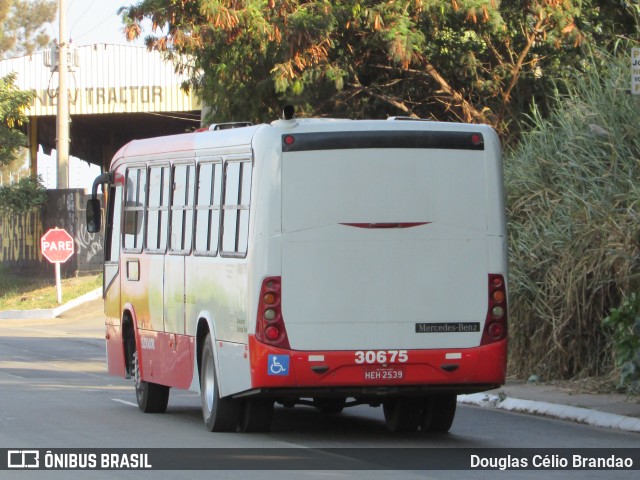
{"points": [[574, 223], [22, 196], [625, 323]]}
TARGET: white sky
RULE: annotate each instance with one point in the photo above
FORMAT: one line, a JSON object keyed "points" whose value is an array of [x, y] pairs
{"points": [[95, 21]]}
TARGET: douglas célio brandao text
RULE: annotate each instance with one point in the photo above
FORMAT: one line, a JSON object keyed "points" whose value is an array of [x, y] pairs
{"points": [[550, 462]]}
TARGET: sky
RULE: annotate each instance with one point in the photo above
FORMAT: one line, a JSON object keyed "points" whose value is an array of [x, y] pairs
{"points": [[94, 21]]}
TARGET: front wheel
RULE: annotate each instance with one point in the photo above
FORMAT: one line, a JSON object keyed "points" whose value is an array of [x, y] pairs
{"points": [[256, 415], [151, 397], [219, 414]]}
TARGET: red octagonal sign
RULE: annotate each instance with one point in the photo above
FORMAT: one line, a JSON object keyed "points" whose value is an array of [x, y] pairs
{"points": [[56, 245]]}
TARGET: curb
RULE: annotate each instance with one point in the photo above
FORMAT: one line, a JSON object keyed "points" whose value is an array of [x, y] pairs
{"points": [[48, 313], [564, 412]]}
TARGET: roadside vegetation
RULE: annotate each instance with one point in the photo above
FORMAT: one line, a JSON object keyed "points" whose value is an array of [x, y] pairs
{"points": [[26, 292], [574, 226]]}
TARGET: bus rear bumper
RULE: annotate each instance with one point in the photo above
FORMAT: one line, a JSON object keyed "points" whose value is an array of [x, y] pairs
{"points": [[421, 371]]}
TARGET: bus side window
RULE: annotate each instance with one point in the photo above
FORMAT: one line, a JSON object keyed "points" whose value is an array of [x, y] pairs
{"points": [[135, 195], [208, 208], [158, 212], [237, 198], [182, 207]]}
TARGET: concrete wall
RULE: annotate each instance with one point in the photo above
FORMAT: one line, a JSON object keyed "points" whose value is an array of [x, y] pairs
{"points": [[20, 236]]}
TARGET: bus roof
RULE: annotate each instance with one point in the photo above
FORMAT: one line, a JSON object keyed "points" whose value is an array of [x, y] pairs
{"points": [[234, 137], [186, 142]]}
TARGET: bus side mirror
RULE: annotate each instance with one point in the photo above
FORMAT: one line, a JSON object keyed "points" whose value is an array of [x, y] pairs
{"points": [[94, 215]]}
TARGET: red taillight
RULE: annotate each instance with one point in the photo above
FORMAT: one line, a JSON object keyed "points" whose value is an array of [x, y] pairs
{"points": [[270, 325], [272, 333], [495, 327], [496, 330]]}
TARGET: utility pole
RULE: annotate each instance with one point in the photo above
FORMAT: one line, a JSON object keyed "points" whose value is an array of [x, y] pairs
{"points": [[62, 121]]}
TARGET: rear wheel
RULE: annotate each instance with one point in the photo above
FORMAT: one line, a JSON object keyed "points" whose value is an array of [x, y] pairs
{"points": [[256, 415], [438, 413], [402, 414], [219, 414], [151, 397]]}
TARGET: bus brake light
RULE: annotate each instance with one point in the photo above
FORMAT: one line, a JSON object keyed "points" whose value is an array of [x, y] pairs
{"points": [[270, 327], [495, 327]]}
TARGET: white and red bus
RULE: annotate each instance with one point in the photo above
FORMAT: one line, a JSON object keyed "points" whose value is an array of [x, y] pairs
{"points": [[319, 262]]}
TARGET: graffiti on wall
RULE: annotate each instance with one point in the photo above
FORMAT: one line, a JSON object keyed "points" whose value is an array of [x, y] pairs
{"points": [[88, 245], [20, 234], [65, 205], [20, 237]]}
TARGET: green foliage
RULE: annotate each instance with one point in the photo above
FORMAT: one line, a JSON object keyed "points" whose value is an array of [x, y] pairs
{"points": [[14, 169], [12, 104], [471, 60], [625, 324], [22, 196], [574, 211]]}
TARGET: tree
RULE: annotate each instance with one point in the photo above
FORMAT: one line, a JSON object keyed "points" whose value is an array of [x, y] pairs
{"points": [[13, 101], [14, 169], [21, 25], [470, 60]]}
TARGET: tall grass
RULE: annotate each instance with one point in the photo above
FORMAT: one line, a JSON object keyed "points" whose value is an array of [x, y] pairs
{"points": [[573, 188]]}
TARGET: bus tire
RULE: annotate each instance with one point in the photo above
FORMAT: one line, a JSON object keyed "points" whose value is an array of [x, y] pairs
{"points": [[256, 415], [402, 414], [438, 413], [151, 397], [219, 414]]}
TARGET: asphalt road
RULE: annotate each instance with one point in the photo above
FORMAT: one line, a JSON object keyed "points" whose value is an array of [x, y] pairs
{"points": [[55, 393]]}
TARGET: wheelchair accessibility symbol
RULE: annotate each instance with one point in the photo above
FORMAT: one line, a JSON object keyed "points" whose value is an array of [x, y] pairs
{"points": [[278, 365]]}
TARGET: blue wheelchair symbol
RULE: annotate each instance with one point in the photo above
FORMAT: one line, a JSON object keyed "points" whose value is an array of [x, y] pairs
{"points": [[278, 365]]}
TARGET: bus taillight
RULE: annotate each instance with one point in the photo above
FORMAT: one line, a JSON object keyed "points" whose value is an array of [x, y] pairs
{"points": [[270, 327], [495, 327]]}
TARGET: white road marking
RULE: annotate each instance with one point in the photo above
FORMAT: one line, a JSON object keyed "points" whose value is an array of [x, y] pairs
{"points": [[124, 401]]}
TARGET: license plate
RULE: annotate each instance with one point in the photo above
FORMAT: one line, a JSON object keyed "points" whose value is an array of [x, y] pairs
{"points": [[383, 374]]}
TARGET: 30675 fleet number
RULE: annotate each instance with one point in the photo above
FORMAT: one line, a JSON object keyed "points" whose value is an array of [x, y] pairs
{"points": [[381, 356]]}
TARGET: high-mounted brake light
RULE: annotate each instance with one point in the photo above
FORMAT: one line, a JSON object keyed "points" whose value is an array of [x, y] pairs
{"points": [[270, 327], [289, 139], [495, 327], [476, 139]]}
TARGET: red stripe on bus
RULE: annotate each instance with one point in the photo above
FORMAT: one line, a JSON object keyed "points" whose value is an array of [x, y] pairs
{"points": [[386, 225]]}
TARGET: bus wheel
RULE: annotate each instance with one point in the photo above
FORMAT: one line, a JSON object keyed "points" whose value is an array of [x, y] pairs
{"points": [[438, 413], [151, 397], [219, 414], [330, 405], [256, 415], [402, 414]]}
